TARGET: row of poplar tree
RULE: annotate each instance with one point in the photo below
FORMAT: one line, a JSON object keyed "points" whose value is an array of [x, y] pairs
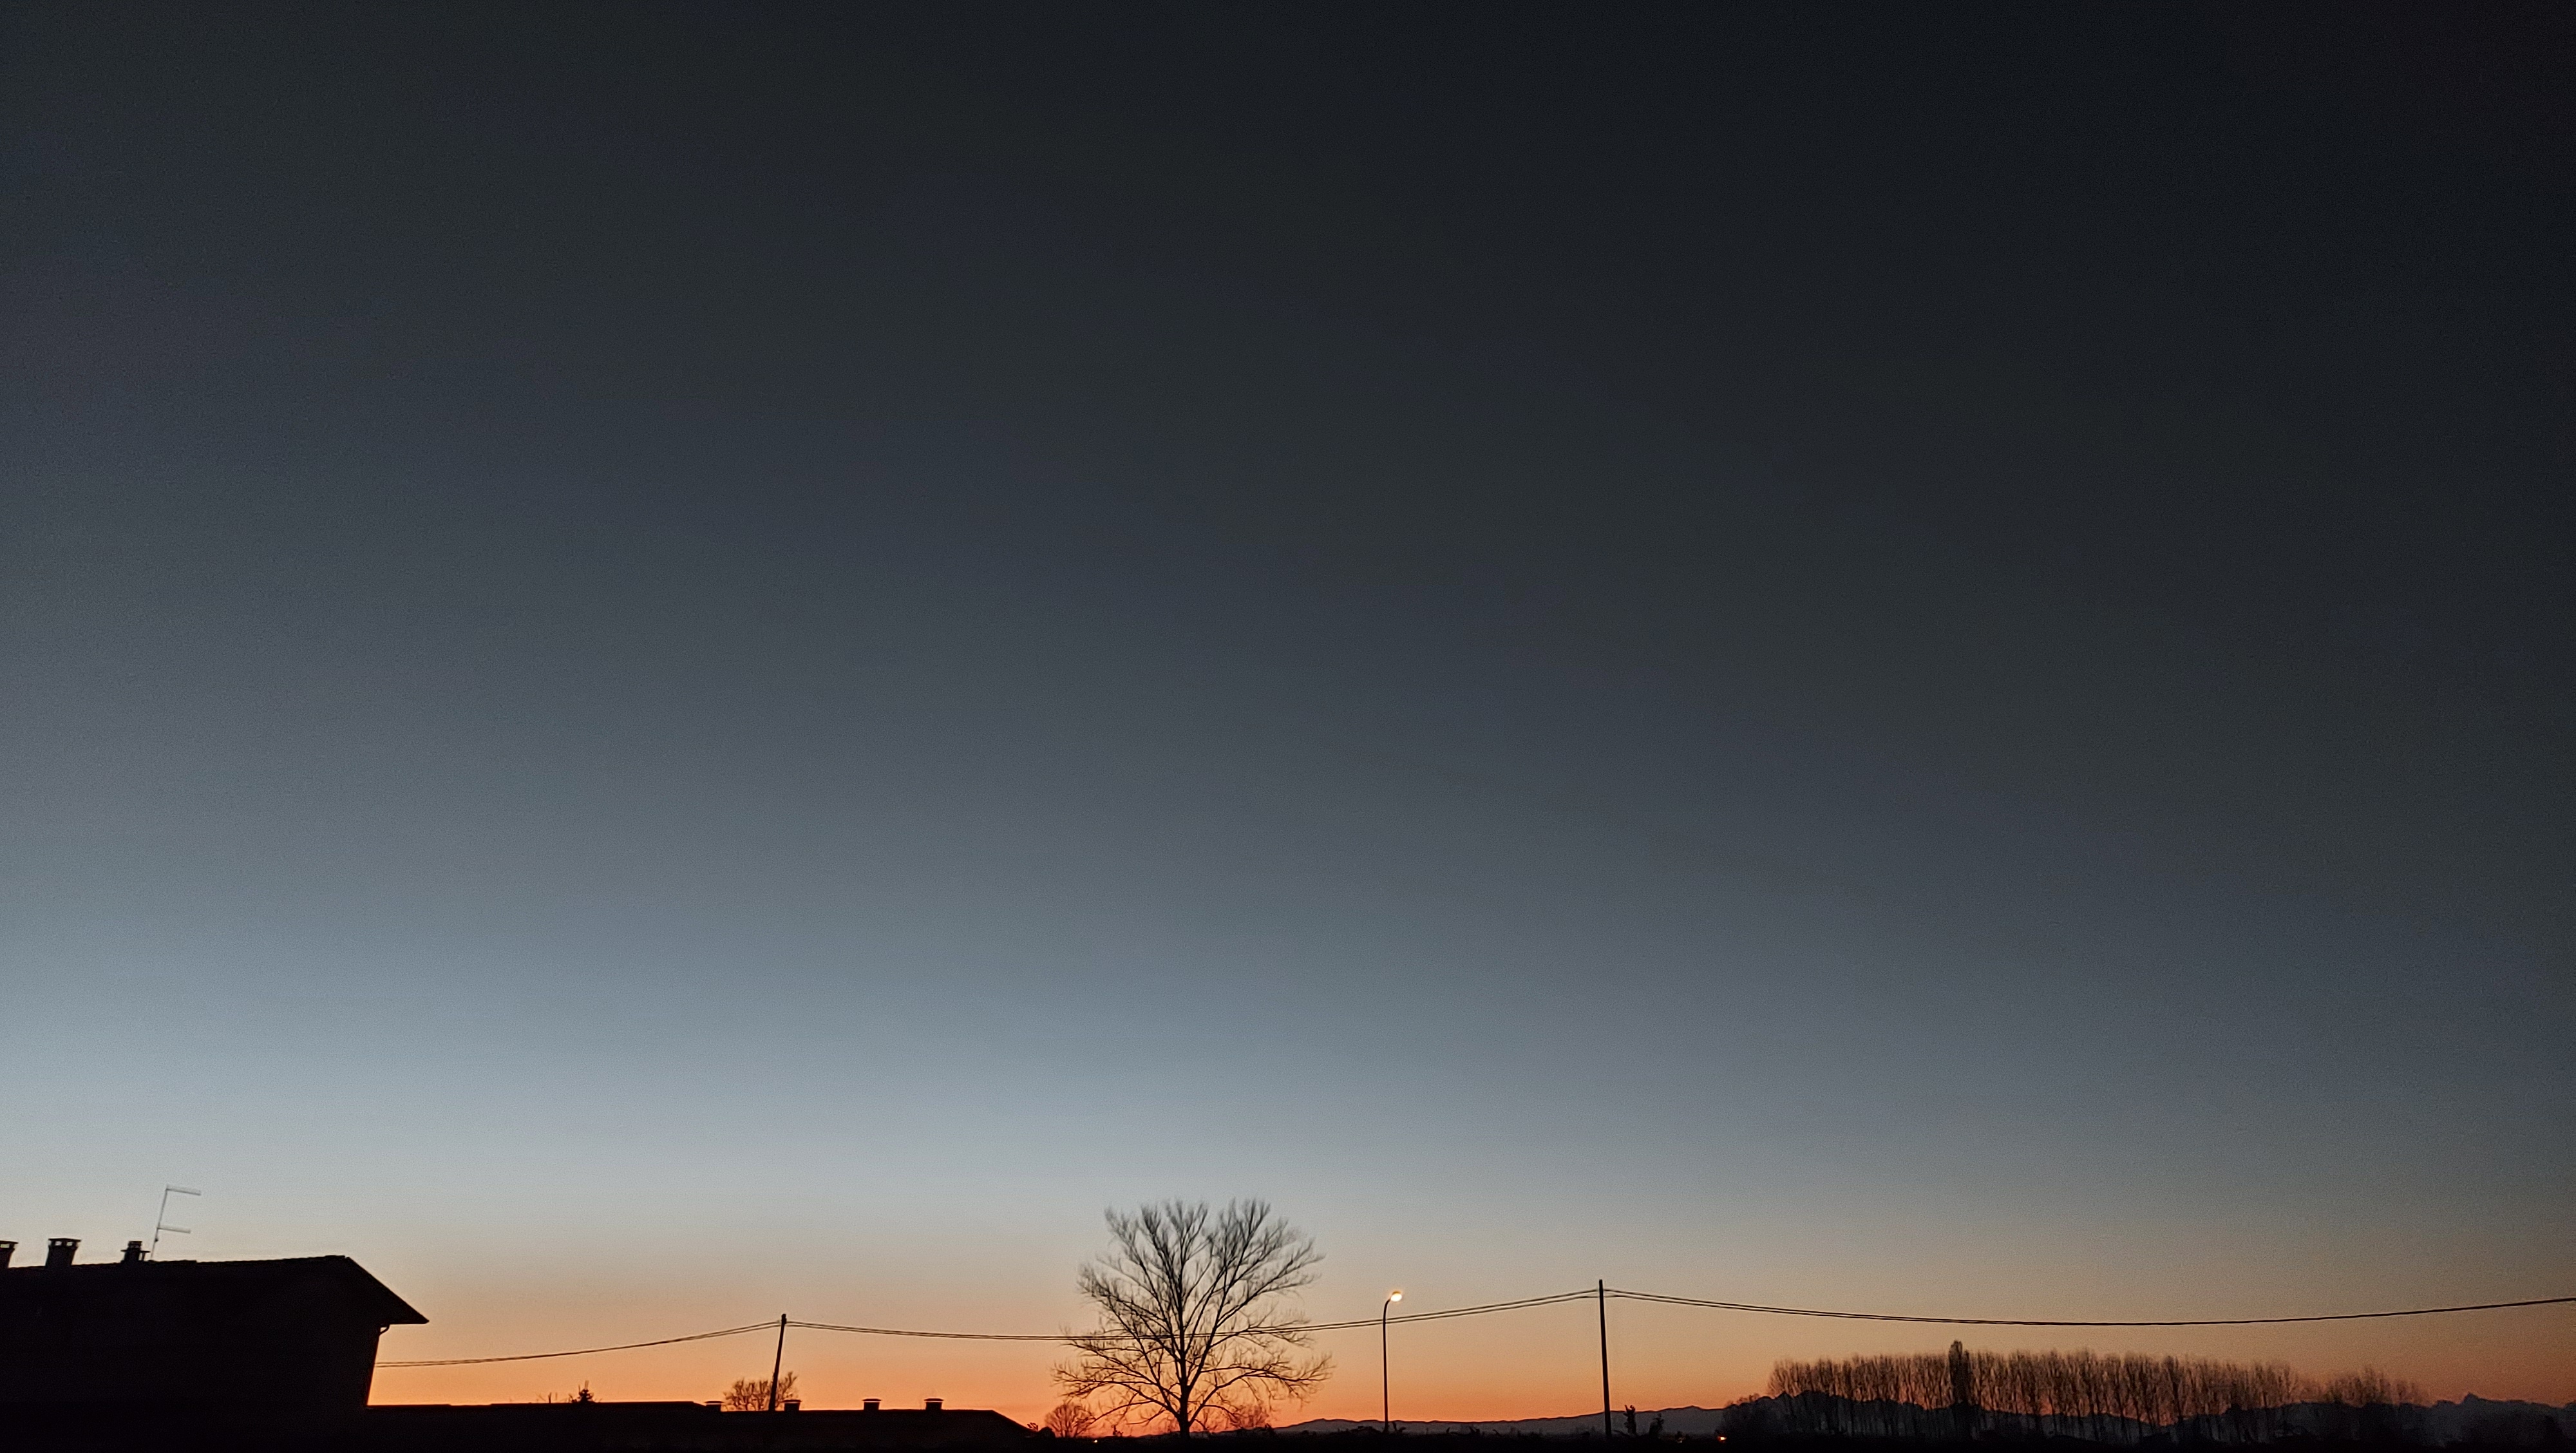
{"points": [[2106, 1397]]}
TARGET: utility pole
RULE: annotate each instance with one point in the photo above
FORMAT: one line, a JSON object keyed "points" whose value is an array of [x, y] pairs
{"points": [[1601, 1295], [780, 1361]]}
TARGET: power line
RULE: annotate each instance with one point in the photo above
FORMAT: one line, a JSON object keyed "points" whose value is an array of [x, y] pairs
{"points": [[1443, 1316], [2053, 1322], [1523, 1304], [581, 1351], [1477, 1311], [951, 1336]]}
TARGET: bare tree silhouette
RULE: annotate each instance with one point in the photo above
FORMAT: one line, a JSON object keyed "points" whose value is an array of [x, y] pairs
{"points": [[1193, 1325], [1070, 1419], [751, 1394]]}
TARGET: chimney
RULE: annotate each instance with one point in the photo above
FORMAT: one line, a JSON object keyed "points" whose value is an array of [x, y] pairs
{"points": [[133, 1254], [59, 1249], [7, 1250], [794, 1405], [930, 1404], [867, 1405]]}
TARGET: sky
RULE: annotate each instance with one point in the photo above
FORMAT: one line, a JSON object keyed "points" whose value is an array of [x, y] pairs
{"points": [[664, 664]]}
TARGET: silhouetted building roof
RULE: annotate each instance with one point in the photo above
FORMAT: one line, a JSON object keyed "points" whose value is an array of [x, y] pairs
{"points": [[291, 1334]]}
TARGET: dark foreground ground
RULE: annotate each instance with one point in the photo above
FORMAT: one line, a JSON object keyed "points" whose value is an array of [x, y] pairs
{"points": [[509, 1428], [692, 1428], [1371, 1441]]}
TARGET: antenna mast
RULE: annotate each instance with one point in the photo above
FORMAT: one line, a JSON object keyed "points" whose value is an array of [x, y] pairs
{"points": [[161, 1218]]}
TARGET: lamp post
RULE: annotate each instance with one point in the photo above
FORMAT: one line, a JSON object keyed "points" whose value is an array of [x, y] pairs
{"points": [[1385, 1398]]}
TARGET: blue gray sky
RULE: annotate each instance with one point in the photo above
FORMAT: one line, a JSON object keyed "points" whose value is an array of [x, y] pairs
{"points": [[668, 665]]}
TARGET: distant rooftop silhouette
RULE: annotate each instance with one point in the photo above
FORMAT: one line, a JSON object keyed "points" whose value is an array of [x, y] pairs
{"points": [[615, 1427]]}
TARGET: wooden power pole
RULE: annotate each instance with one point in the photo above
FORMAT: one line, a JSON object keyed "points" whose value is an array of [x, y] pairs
{"points": [[1601, 1295], [780, 1361]]}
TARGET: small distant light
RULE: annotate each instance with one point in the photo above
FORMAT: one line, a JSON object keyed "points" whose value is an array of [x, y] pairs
{"points": [[1395, 1296]]}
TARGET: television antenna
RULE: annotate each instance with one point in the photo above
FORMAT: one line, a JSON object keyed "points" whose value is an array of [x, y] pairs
{"points": [[161, 1218]]}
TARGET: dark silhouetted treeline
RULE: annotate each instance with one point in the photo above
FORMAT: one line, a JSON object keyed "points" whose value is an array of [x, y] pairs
{"points": [[2102, 1397]]}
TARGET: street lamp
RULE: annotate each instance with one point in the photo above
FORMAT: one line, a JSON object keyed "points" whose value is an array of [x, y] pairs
{"points": [[1385, 1400]]}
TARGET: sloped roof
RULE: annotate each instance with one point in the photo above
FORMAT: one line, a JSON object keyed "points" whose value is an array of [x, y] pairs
{"points": [[209, 1284]]}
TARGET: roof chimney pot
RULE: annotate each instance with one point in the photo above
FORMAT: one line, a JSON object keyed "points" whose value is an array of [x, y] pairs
{"points": [[7, 1249], [133, 1254], [867, 1405], [59, 1249], [931, 1404]]}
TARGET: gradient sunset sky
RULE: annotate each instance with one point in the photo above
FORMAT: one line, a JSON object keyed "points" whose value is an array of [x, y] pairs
{"points": [[668, 664]]}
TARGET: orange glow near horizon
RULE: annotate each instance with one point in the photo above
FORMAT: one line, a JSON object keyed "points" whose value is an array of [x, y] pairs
{"points": [[1541, 1363]]}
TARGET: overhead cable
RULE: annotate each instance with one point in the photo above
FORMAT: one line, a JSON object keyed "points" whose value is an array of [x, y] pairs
{"points": [[1525, 1303], [581, 1351], [2059, 1322], [1282, 1327], [1477, 1311], [910, 1332]]}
